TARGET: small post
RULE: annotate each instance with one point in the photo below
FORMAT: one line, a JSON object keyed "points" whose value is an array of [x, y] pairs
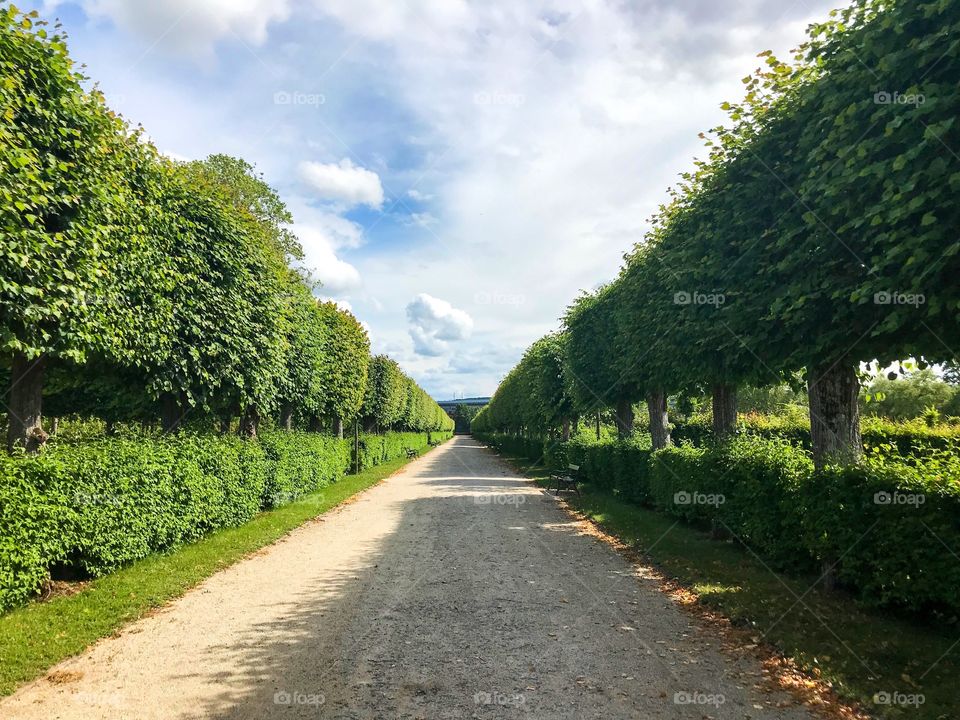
{"points": [[356, 447]]}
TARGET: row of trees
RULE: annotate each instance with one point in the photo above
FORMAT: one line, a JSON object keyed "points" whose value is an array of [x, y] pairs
{"points": [[395, 401], [820, 232], [134, 287]]}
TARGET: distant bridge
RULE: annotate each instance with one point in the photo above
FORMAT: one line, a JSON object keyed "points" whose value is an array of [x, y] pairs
{"points": [[449, 405]]}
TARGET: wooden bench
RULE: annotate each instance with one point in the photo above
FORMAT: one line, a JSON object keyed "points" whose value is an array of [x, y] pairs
{"points": [[411, 453], [566, 480]]}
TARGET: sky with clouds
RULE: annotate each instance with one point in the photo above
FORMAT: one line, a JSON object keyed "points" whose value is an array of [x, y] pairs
{"points": [[458, 171]]}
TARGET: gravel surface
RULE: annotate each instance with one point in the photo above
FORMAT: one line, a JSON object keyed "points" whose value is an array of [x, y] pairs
{"points": [[454, 589]]}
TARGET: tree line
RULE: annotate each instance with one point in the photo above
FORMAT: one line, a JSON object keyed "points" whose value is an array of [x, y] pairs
{"points": [[819, 232], [134, 287]]}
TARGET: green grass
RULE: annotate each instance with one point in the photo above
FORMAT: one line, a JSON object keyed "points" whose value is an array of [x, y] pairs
{"points": [[860, 652], [41, 634]]}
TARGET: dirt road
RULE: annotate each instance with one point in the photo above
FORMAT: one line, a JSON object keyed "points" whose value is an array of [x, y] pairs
{"points": [[453, 589]]}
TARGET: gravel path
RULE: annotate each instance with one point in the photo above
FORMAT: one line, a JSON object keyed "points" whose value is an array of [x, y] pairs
{"points": [[454, 589]]}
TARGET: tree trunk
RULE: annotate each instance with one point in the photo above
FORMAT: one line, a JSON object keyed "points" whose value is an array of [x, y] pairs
{"points": [[598, 425], [828, 577], [338, 427], [834, 414], [659, 422], [170, 413], [624, 418], [54, 425], [286, 416], [225, 422], [110, 427], [250, 422], [315, 425], [24, 428], [566, 429], [724, 410]]}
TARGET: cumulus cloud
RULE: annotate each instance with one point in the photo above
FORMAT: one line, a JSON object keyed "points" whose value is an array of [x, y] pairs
{"points": [[342, 182], [320, 258], [192, 27], [435, 323]]}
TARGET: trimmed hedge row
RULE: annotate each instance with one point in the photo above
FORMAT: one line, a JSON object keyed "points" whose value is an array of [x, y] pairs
{"points": [[888, 528], [616, 465], [909, 438], [515, 445], [88, 508], [377, 449], [299, 463]]}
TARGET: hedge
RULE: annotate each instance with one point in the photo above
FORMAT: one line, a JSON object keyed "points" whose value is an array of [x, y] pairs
{"points": [[902, 520], [889, 528], [910, 438], [376, 449], [532, 448], [301, 462], [616, 465], [88, 508], [749, 486]]}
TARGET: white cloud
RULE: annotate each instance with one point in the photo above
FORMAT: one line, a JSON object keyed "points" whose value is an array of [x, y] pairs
{"points": [[435, 323], [320, 258], [556, 129], [192, 27], [341, 232], [423, 219], [432, 21], [418, 196], [342, 182]]}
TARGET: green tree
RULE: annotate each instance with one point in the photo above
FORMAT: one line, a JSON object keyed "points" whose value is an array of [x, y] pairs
{"points": [[344, 374], [385, 400], [66, 164]]}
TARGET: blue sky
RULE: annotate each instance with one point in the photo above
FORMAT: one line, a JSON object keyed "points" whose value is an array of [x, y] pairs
{"points": [[457, 171]]}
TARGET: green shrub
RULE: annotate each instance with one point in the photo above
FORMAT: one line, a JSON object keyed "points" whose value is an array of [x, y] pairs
{"points": [[300, 463], [377, 449], [891, 526], [532, 449], [613, 464], [92, 506], [914, 437], [33, 512], [683, 482], [761, 480]]}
